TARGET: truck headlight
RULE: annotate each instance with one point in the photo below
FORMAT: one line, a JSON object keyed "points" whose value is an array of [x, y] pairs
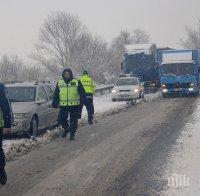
{"points": [[21, 115], [113, 91], [191, 85]]}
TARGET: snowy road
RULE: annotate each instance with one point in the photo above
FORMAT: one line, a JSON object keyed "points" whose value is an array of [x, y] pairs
{"points": [[127, 153], [103, 107]]}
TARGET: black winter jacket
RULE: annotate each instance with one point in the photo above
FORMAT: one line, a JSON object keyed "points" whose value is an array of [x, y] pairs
{"points": [[5, 107]]}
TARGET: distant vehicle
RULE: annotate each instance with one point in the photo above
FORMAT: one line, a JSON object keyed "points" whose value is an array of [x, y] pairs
{"points": [[31, 104], [127, 88], [179, 72], [142, 60]]}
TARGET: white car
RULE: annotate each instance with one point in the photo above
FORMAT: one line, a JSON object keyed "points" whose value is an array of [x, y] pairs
{"points": [[127, 88]]}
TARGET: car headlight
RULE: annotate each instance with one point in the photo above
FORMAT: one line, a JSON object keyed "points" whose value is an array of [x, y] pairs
{"points": [[21, 115], [163, 86], [114, 91], [164, 90], [136, 90]]}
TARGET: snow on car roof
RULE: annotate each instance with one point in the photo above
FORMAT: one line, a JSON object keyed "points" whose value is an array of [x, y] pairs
{"points": [[27, 84]]}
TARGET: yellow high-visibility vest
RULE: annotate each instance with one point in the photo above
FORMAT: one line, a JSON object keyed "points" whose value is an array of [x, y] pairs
{"points": [[88, 84], [69, 95]]}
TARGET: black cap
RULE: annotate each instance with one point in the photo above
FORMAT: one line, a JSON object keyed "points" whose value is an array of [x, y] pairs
{"points": [[85, 72]]}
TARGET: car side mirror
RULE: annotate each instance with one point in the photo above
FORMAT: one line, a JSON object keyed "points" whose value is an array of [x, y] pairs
{"points": [[41, 101]]}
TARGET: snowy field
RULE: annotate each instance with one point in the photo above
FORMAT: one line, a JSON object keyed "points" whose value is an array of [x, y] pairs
{"points": [[103, 107]]}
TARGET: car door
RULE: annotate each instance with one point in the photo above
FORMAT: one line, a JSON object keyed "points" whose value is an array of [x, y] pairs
{"points": [[43, 108], [53, 112]]}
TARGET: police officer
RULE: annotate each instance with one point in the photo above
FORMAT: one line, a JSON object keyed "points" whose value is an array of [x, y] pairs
{"points": [[5, 126], [68, 94], [89, 86]]}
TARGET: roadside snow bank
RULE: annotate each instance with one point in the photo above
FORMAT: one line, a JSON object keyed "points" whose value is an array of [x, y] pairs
{"points": [[103, 107]]}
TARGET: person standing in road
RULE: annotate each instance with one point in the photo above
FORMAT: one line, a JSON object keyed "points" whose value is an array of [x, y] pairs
{"points": [[89, 86], [68, 95], [5, 126]]}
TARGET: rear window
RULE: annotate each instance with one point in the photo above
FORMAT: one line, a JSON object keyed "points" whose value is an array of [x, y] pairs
{"points": [[127, 81], [21, 94]]}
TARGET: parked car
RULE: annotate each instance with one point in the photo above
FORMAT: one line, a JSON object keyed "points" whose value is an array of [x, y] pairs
{"points": [[127, 88], [31, 105]]}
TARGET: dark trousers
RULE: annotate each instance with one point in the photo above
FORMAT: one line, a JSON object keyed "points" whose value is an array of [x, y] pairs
{"points": [[89, 107], [2, 156], [70, 112]]}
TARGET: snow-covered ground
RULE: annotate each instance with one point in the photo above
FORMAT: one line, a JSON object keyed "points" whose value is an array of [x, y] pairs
{"points": [[103, 107], [183, 171]]}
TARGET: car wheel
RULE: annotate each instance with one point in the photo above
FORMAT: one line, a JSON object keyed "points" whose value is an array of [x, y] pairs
{"points": [[113, 100], [165, 96], [33, 128]]}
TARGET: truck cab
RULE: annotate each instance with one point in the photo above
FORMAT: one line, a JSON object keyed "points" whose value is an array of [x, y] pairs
{"points": [[179, 72]]}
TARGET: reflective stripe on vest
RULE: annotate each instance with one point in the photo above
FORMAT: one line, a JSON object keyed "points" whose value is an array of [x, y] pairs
{"points": [[1, 119], [87, 83], [69, 95]]}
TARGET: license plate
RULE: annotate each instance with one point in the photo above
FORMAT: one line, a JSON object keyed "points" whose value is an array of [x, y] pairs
{"points": [[124, 95], [177, 89]]}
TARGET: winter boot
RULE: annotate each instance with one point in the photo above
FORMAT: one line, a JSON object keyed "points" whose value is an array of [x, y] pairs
{"points": [[72, 136], [3, 176], [90, 121], [65, 132]]}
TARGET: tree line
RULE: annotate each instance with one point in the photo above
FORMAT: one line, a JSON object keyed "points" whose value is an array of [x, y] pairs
{"points": [[64, 41]]}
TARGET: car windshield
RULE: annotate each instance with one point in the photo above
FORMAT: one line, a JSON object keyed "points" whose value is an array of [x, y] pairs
{"points": [[130, 81], [177, 69], [21, 94]]}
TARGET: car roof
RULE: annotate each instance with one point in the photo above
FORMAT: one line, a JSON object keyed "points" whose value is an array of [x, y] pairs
{"points": [[129, 77], [29, 84]]}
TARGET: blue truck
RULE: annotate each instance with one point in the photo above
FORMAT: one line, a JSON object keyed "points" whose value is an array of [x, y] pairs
{"points": [[142, 60], [179, 72]]}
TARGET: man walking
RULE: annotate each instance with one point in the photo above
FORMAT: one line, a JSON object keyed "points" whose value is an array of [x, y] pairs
{"points": [[89, 86], [68, 94], [5, 126]]}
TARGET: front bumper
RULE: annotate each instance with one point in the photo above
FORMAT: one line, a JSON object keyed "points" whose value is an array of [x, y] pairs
{"points": [[184, 91], [19, 126], [125, 96]]}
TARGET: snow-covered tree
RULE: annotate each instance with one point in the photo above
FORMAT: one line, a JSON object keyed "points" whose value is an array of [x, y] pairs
{"points": [[192, 40]]}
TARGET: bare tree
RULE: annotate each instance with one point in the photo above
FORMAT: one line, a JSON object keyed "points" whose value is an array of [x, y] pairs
{"points": [[117, 49], [10, 68], [193, 37], [57, 38], [140, 37], [90, 54]]}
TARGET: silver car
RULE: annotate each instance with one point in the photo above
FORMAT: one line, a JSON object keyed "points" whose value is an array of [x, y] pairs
{"points": [[127, 88], [31, 105]]}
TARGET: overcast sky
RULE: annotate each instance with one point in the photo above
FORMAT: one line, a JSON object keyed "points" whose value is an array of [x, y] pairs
{"points": [[163, 20]]}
